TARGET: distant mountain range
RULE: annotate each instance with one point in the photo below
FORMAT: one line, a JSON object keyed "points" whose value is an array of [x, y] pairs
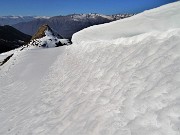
{"points": [[13, 36], [68, 25], [64, 25], [11, 20], [10, 38]]}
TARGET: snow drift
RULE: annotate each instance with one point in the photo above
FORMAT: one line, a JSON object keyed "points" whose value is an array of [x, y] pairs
{"points": [[115, 79], [159, 19]]}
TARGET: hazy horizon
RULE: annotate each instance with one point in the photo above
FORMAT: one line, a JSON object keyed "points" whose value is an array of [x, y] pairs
{"points": [[61, 7]]}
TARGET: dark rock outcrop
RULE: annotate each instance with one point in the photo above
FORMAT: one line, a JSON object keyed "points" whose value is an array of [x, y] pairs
{"points": [[47, 37], [41, 32], [11, 38]]}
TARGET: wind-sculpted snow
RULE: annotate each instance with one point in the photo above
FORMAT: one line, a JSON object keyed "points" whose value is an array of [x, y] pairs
{"points": [[159, 19], [123, 86]]}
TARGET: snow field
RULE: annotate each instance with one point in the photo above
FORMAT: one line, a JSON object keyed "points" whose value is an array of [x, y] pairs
{"points": [[116, 79]]}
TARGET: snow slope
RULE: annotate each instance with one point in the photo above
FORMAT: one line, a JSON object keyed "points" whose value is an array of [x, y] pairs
{"points": [[117, 82]]}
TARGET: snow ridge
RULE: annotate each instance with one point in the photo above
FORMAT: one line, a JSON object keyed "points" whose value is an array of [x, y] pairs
{"points": [[158, 19]]}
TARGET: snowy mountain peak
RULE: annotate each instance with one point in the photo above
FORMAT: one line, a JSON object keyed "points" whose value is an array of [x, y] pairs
{"points": [[41, 32], [47, 37]]}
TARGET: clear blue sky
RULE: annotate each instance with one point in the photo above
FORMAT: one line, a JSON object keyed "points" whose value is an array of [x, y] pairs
{"points": [[64, 7]]}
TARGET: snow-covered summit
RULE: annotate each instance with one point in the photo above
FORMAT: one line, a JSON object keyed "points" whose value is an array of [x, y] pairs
{"points": [[111, 81], [42, 32], [46, 37], [96, 16]]}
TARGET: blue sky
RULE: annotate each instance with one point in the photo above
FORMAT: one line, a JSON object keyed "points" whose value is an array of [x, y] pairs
{"points": [[64, 7]]}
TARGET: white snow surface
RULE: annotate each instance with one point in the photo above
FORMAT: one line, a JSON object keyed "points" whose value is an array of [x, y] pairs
{"points": [[115, 79]]}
